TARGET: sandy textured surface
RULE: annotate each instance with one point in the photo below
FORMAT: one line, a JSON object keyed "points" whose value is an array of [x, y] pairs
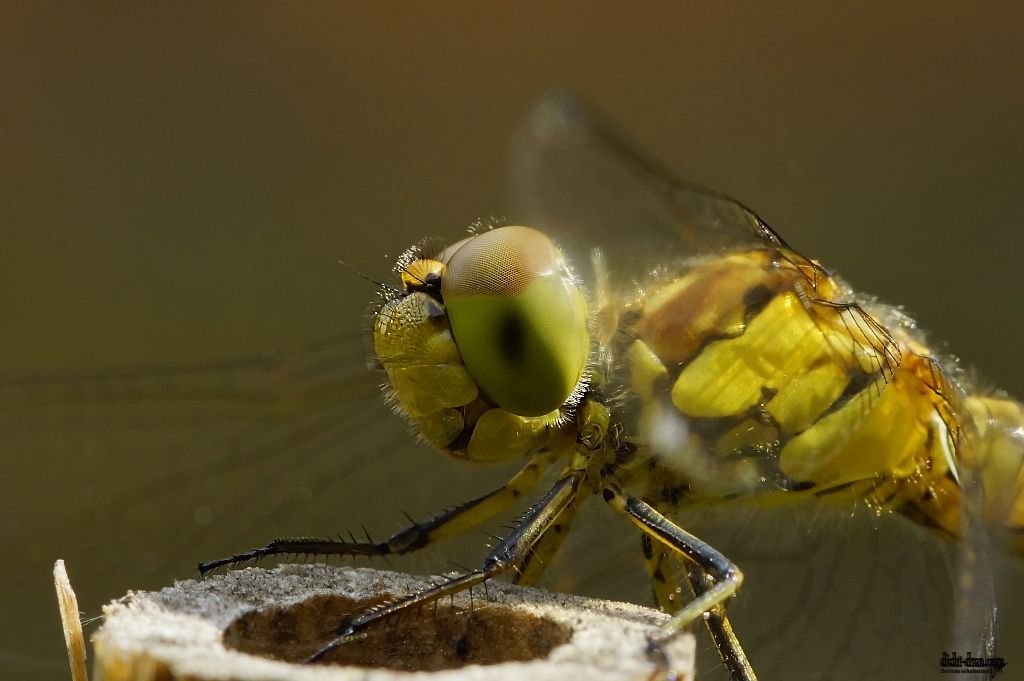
{"points": [[199, 630]]}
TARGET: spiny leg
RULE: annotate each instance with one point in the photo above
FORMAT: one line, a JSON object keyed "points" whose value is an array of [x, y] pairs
{"points": [[593, 422], [717, 580], [529, 572], [668, 594], [720, 629], [509, 554], [594, 425], [416, 536]]}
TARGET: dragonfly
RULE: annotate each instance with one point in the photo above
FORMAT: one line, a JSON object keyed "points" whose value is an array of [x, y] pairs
{"points": [[196, 457], [664, 350]]}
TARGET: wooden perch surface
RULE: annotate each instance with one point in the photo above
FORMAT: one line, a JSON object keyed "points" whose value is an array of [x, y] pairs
{"points": [[257, 624]]}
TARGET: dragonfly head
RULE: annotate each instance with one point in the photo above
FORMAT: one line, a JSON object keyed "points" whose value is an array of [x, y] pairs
{"points": [[486, 344]]}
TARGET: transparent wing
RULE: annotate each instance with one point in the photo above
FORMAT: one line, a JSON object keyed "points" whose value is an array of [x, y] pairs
{"points": [[578, 178], [158, 467], [190, 439], [991, 475]]}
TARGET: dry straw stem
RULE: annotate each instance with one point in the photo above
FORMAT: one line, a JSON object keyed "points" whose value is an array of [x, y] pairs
{"points": [[256, 624], [69, 619]]}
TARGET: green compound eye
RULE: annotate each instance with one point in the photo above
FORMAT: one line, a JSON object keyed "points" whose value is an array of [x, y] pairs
{"points": [[519, 321]]}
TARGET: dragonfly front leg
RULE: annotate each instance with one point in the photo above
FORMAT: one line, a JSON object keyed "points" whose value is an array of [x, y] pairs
{"points": [[509, 554], [416, 536], [717, 624], [529, 572], [714, 581]]}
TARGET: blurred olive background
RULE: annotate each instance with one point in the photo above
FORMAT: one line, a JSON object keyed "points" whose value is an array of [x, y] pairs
{"points": [[182, 363]]}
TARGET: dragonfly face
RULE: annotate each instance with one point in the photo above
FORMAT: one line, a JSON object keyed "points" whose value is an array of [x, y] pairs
{"points": [[486, 345]]}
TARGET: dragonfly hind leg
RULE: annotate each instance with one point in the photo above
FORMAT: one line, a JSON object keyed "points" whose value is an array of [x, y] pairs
{"points": [[414, 537], [712, 577], [508, 555]]}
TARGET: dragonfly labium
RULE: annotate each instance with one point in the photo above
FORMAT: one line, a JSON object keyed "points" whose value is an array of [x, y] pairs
{"points": [[700, 361]]}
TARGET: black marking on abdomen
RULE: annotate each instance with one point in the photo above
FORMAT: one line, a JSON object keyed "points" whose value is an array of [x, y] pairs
{"points": [[836, 488], [788, 484]]}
